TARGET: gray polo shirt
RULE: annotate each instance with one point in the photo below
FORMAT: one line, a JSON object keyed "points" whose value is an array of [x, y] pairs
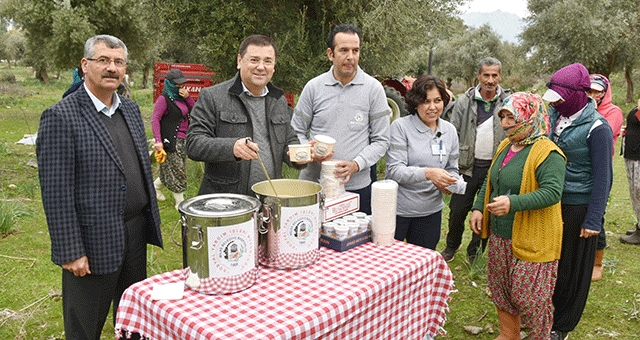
{"points": [[414, 147], [356, 115]]}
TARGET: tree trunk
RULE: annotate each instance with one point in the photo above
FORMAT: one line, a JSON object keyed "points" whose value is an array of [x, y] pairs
{"points": [[41, 74], [145, 75], [8, 63], [627, 77]]}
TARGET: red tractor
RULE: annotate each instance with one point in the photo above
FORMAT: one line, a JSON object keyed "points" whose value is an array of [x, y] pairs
{"points": [[396, 89]]}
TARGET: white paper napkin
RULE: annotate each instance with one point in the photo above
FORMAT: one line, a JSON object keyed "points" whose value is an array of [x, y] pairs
{"points": [[460, 187], [169, 291]]}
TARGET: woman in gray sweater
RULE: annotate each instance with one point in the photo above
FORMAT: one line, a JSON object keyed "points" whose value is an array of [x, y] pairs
{"points": [[423, 159]]}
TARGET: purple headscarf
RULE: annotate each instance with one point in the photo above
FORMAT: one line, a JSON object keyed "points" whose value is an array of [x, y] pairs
{"points": [[571, 82]]}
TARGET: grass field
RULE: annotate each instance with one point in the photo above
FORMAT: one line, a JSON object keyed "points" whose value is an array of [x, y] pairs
{"points": [[30, 302]]}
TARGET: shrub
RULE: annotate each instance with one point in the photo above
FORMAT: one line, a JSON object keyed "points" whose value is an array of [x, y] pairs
{"points": [[8, 78], [9, 213]]}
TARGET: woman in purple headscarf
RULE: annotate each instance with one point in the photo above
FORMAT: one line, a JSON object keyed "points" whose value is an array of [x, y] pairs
{"points": [[587, 141]]}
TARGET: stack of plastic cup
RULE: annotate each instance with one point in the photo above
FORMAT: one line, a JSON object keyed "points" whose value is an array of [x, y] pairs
{"points": [[331, 186], [384, 197]]}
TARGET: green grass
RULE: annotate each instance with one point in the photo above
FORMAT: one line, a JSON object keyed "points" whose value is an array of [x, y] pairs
{"points": [[30, 304]]}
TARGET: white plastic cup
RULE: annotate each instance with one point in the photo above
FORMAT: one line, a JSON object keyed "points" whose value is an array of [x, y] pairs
{"points": [[342, 231], [329, 228], [339, 221], [353, 228], [300, 152], [349, 218], [363, 225], [359, 214], [324, 145]]}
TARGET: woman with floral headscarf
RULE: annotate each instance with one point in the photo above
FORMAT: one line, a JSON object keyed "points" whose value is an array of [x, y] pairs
{"points": [[518, 209]]}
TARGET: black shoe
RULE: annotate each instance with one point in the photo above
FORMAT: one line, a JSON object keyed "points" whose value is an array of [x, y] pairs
{"points": [[448, 254], [630, 232], [558, 335], [631, 239]]}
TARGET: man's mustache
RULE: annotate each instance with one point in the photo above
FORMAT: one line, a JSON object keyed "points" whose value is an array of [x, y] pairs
{"points": [[111, 75]]}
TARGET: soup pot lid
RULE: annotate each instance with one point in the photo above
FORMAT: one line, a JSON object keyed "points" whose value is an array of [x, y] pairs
{"points": [[219, 205]]}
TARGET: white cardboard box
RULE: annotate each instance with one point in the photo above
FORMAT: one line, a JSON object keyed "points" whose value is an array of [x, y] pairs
{"points": [[342, 205]]}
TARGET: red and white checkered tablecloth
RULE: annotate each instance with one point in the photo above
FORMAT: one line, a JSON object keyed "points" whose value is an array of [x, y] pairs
{"points": [[369, 292]]}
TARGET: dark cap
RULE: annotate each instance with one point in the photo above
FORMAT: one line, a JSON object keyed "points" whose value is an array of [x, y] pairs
{"points": [[176, 76]]}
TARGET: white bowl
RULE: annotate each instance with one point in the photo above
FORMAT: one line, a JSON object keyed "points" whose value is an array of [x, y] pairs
{"points": [[300, 152], [324, 145]]}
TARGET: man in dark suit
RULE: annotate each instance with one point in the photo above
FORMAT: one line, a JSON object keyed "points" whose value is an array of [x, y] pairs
{"points": [[97, 190]]}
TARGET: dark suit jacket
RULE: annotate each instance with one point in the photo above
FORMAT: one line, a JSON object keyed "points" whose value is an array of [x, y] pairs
{"points": [[83, 184]]}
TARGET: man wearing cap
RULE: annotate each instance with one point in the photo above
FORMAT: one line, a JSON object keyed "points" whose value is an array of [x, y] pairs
{"points": [[247, 105], [169, 123], [601, 92], [585, 138], [350, 106], [475, 117]]}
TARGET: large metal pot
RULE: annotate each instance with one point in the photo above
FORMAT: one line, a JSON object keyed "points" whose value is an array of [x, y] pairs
{"points": [[220, 242], [292, 219]]}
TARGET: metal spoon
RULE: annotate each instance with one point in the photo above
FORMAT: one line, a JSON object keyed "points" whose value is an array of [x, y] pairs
{"points": [[246, 141]]}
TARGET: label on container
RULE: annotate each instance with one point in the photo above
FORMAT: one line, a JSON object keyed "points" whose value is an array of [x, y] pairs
{"points": [[231, 249], [301, 229]]}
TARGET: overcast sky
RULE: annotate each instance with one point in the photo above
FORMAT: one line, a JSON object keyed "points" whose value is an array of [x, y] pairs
{"points": [[518, 7]]}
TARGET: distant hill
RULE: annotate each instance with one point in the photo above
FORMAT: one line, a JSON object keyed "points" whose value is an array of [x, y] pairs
{"points": [[507, 25]]}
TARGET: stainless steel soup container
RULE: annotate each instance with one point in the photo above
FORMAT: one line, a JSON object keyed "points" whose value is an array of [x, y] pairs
{"points": [[293, 220], [220, 242]]}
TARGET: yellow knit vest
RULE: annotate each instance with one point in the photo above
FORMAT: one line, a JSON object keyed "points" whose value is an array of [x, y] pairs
{"points": [[537, 234]]}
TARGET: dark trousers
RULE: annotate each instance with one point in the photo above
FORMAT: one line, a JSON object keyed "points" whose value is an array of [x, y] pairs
{"points": [[602, 238], [574, 270], [459, 206], [365, 199], [86, 300], [422, 231]]}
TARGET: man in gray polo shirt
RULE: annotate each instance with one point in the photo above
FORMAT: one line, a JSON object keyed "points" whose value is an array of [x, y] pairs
{"points": [[349, 105]]}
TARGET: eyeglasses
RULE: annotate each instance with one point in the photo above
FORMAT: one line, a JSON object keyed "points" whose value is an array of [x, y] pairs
{"points": [[104, 62], [256, 62]]}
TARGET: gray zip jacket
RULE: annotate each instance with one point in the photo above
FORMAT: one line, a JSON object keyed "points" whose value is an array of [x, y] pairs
{"points": [[463, 117], [218, 119]]}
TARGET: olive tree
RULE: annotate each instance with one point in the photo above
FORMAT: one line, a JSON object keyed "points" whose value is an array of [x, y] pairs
{"points": [[390, 30], [56, 30], [458, 56], [602, 35]]}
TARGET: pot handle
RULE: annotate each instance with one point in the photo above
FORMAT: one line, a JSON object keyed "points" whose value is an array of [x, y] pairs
{"points": [[198, 245], [264, 219], [182, 221]]}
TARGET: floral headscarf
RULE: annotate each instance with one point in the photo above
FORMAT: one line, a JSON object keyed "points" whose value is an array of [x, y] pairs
{"points": [[530, 114]]}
